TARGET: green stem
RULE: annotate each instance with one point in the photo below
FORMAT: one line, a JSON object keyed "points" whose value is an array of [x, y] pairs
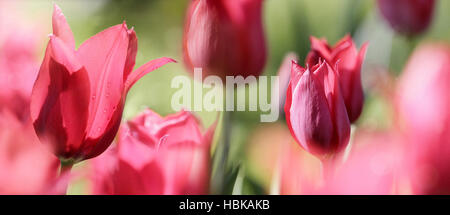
{"points": [[223, 150], [66, 167]]}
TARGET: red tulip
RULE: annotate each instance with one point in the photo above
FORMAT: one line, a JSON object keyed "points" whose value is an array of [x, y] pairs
{"points": [[315, 110], [225, 38], [349, 62], [408, 17], [78, 97], [423, 104], [156, 155], [26, 167]]}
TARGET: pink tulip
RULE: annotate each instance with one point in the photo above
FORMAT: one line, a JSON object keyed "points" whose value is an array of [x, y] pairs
{"points": [[156, 155], [344, 55], [408, 17], [423, 106], [79, 95], [18, 66], [225, 38], [300, 171], [315, 110], [370, 169], [26, 167]]}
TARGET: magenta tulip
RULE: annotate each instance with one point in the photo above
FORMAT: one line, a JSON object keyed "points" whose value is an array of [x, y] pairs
{"points": [[79, 95], [315, 110], [156, 155]]}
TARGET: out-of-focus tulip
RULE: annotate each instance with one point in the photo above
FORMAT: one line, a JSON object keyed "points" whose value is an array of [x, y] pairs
{"points": [[19, 61], [18, 70], [300, 172], [26, 167], [156, 155], [371, 167], [78, 97], [225, 38], [423, 106], [315, 110], [344, 55], [407, 17]]}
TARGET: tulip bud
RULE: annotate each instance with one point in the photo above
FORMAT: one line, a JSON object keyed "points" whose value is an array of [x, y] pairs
{"points": [[423, 106], [407, 17], [225, 38], [156, 155], [315, 110], [78, 97], [348, 61]]}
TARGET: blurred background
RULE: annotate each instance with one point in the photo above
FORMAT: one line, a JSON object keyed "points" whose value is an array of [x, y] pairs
{"points": [[288, 25]]}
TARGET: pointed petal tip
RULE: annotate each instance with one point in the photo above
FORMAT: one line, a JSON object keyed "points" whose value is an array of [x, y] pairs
{"points": [[363, 50], [144, 69], [57, 12], [169, 60], [124, 24], [56, 8]]}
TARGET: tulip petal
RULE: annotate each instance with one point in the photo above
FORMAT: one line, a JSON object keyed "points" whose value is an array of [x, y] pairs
{"points": [[321, 47], [154, 181], [95, 146], [131, 53], [143, 70], [296, 73], [104, 57], [345, 55], [62, 54], [60, 100], [180, 127], [127, 180], [336, 105], [61, 28], [177, 161], [132, 149]]}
